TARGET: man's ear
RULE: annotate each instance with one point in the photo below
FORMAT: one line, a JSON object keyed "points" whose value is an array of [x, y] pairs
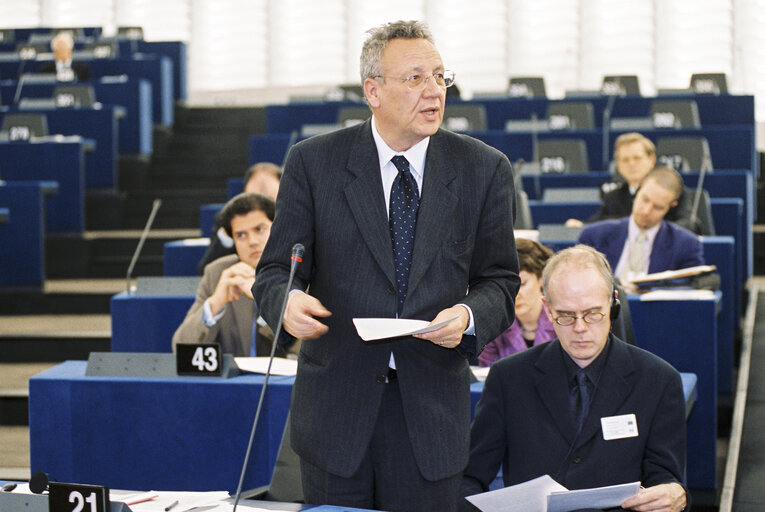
{"points": [[547, 309], [371, 92]]}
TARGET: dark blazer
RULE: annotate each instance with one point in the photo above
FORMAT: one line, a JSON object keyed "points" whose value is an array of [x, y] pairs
{"points": [[523, 423], [331, 200], [673, 248], [617, 203], [81, 69]]}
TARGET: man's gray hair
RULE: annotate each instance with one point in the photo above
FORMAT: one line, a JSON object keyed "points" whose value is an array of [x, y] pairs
{"points": [[580, 257], [378, 39]]}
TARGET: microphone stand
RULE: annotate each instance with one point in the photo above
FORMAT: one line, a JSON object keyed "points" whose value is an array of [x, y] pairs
{"points": [[154, 207], [607, 130], [297, 256]]}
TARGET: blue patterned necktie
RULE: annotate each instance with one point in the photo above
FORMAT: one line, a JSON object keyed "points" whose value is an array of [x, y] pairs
{"points": [[404, 201]]}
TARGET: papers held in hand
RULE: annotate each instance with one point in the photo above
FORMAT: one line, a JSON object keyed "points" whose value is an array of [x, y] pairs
{"points": [[544, 494], [371, 329]]}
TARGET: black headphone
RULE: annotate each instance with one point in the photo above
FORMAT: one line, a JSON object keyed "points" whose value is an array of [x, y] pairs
{"points": [[616, 307]]}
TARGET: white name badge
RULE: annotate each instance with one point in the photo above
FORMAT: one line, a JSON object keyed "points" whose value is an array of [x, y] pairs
{"points": [[619, 427]]}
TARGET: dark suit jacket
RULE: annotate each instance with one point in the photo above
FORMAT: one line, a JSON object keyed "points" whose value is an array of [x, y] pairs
{"points": [[617, 203], [673, 248], [331, 200], [81, 69], [234, 329], [523, 423]]}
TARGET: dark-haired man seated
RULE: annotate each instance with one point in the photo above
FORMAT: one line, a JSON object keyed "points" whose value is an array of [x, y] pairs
{"points": [[224, 309], [586, 408]]}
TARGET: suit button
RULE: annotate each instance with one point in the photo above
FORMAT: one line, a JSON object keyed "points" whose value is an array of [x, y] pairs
{"points": [[576, 460], [382, 378], [391, 289]]}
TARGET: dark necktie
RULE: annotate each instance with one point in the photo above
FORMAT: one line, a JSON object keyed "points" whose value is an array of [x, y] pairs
{"points": [[580, 396], [404, 201]]}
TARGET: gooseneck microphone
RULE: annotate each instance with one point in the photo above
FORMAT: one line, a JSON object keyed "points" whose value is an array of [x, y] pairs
{"points": [[154, 207], [297, 257]]}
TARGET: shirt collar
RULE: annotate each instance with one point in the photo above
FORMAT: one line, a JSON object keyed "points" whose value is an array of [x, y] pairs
{"points": [[633, 230], [415, 155]]}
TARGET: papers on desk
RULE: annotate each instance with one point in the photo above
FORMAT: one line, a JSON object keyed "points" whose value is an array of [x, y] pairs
{"points": [[544, 494], [674, 274], [659, 295], [184, 501], [371, 329], [280, 366]]}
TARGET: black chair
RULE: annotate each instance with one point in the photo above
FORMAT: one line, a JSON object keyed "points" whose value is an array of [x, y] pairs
{"points": [[526, 87], [562, 155], [704, 223], [523, 219], [570, 115], [103, 49], [7, 35], [348, 116], [285, 485], [22, 127], [620, 85], [709, 83], [80, 95], [675, 114], [135, 33], [465, 118], [684, 153]]}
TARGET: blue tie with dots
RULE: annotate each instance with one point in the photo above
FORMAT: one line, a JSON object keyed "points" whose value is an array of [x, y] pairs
{"points": [[404, 201]]}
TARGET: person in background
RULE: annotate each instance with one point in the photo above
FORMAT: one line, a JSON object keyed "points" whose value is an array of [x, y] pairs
{"points": [[63, 66], [223, 310], [645, 242], [532, 325], [260, 178], [635, 157]]}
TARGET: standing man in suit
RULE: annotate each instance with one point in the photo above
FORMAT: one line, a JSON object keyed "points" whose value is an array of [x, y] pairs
{"points": [[223, 310], [585, 408], [645, 242], [399, 218]]}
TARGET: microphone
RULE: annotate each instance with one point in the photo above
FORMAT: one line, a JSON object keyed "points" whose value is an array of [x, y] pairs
{"points": [[20, 83], [154, 207], [297, 257], [697, 195], [607, 130]]}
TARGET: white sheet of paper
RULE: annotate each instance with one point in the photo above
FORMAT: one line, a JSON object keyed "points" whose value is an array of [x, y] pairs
{"points": [[186, 500], [601, 497], [280, 366], [659, 295], [371, 329], [529, 496]]}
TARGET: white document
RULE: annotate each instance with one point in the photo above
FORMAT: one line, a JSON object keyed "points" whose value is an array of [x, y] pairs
{"points": [[280, 366], [660, 295], [543, 494], [371, 329], [601, 497], [529, 496], [180, 501]]}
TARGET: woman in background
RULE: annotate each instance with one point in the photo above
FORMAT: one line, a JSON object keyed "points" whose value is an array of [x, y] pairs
{"points": [[531, 326]]}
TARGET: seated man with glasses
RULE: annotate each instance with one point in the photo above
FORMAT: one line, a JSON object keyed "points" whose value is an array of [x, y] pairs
{"points": [[586, 408]]}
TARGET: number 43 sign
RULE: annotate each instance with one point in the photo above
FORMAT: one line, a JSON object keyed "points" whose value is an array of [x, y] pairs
{"points": [[77, 498], [198, 359]]}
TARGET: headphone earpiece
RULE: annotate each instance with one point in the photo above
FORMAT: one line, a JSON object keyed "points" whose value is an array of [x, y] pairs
{"points": [[616, 307]]}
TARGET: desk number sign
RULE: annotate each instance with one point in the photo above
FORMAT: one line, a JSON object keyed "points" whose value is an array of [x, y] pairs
{"points": [[198, 359], [77, 498]]}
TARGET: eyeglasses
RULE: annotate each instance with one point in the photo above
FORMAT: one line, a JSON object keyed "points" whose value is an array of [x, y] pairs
{"points": [[443, 79], [593, 317]]}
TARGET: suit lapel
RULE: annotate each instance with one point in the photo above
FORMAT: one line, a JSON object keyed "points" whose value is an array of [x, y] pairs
{"points": [[616, 383], [553, 389], [366, 200], [437, 204]]}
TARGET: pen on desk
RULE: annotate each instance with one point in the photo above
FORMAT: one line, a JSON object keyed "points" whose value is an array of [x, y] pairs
{"points": [[170, 506], [141, 498]]}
